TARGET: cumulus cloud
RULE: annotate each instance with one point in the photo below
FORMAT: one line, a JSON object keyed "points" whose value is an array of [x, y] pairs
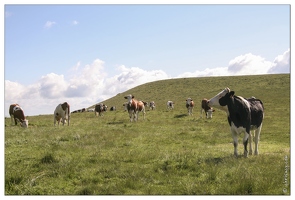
{"points": [[49, 24], [86, 85], [52, 86], [281, 63], [247, 64]]}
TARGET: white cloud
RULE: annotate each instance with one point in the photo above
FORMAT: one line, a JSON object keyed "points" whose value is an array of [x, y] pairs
{"points": [[89, 84], [247, 64], [52, 86], [49, 24], [75, 22], [281, 63]]}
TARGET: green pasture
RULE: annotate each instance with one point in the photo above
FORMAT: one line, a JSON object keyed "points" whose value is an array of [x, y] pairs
{"points": [[168, 153]]}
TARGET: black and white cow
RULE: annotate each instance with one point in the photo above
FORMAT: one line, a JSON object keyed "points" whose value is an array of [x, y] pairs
{"points": [[62, 113], [99, 109], [170, 105], [244, 115]]}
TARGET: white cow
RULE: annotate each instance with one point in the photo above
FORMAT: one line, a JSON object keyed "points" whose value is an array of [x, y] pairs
{"points": [[152, 105], [170, 105], [62, 112]]}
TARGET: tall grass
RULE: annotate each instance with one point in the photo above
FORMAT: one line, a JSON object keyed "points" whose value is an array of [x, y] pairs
{"points": [[168, 153]]}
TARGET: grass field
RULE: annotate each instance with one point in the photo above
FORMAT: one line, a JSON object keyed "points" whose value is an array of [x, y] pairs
{"points": [[169, 153]]}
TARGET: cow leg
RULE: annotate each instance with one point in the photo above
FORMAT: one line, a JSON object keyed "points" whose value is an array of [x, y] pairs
{"points": [[136, 115], [15, 121], [250, 143], [257, 136], [235, 140], [11, 119], [130, 115], [69, 120], [245, 142]]}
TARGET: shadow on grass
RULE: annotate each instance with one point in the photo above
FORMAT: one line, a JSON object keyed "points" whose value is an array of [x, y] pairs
{"points": [[225, 159], [119, 122], [180, 116]]}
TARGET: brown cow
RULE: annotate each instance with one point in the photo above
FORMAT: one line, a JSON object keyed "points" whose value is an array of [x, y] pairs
{"points": [[205, 107], [141, 108], [134, 106], [17, 114], [190, 105]]}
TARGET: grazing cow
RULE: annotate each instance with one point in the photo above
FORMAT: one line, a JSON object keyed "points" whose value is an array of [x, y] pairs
{"points": [[62, 112], [152, 105], [17, 114], [100, 108], [113, 108], [244, 115], [208, 110], [170, 105], [190, 105]]}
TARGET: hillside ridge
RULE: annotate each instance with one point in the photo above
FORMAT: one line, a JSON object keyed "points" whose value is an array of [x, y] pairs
{"points": [[197, 88]]}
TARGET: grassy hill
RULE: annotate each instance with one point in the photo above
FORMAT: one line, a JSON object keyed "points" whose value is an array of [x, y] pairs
{"points": [[168, 153]]}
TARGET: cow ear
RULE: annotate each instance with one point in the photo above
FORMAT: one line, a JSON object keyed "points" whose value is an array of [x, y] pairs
{"points": [[231, 94]]}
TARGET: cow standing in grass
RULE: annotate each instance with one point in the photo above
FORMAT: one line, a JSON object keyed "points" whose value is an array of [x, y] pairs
{"points": [[152, 105], [62, 112], [244, 115], [17, 114], [99, 109], [170, 105], [208, 110], [133, 107], [190, 105]]}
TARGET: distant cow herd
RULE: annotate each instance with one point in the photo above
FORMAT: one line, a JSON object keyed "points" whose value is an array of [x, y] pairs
{"points": [[243, 114]]}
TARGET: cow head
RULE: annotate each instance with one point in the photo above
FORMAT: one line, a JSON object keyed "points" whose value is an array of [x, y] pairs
{"points": [[129, 98], [25, 123], [188, 101], [223, 101], [209, 113], [214, 101]]}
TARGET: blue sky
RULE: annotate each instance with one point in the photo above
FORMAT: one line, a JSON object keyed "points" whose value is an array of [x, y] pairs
{"points": [[84, 54]]}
